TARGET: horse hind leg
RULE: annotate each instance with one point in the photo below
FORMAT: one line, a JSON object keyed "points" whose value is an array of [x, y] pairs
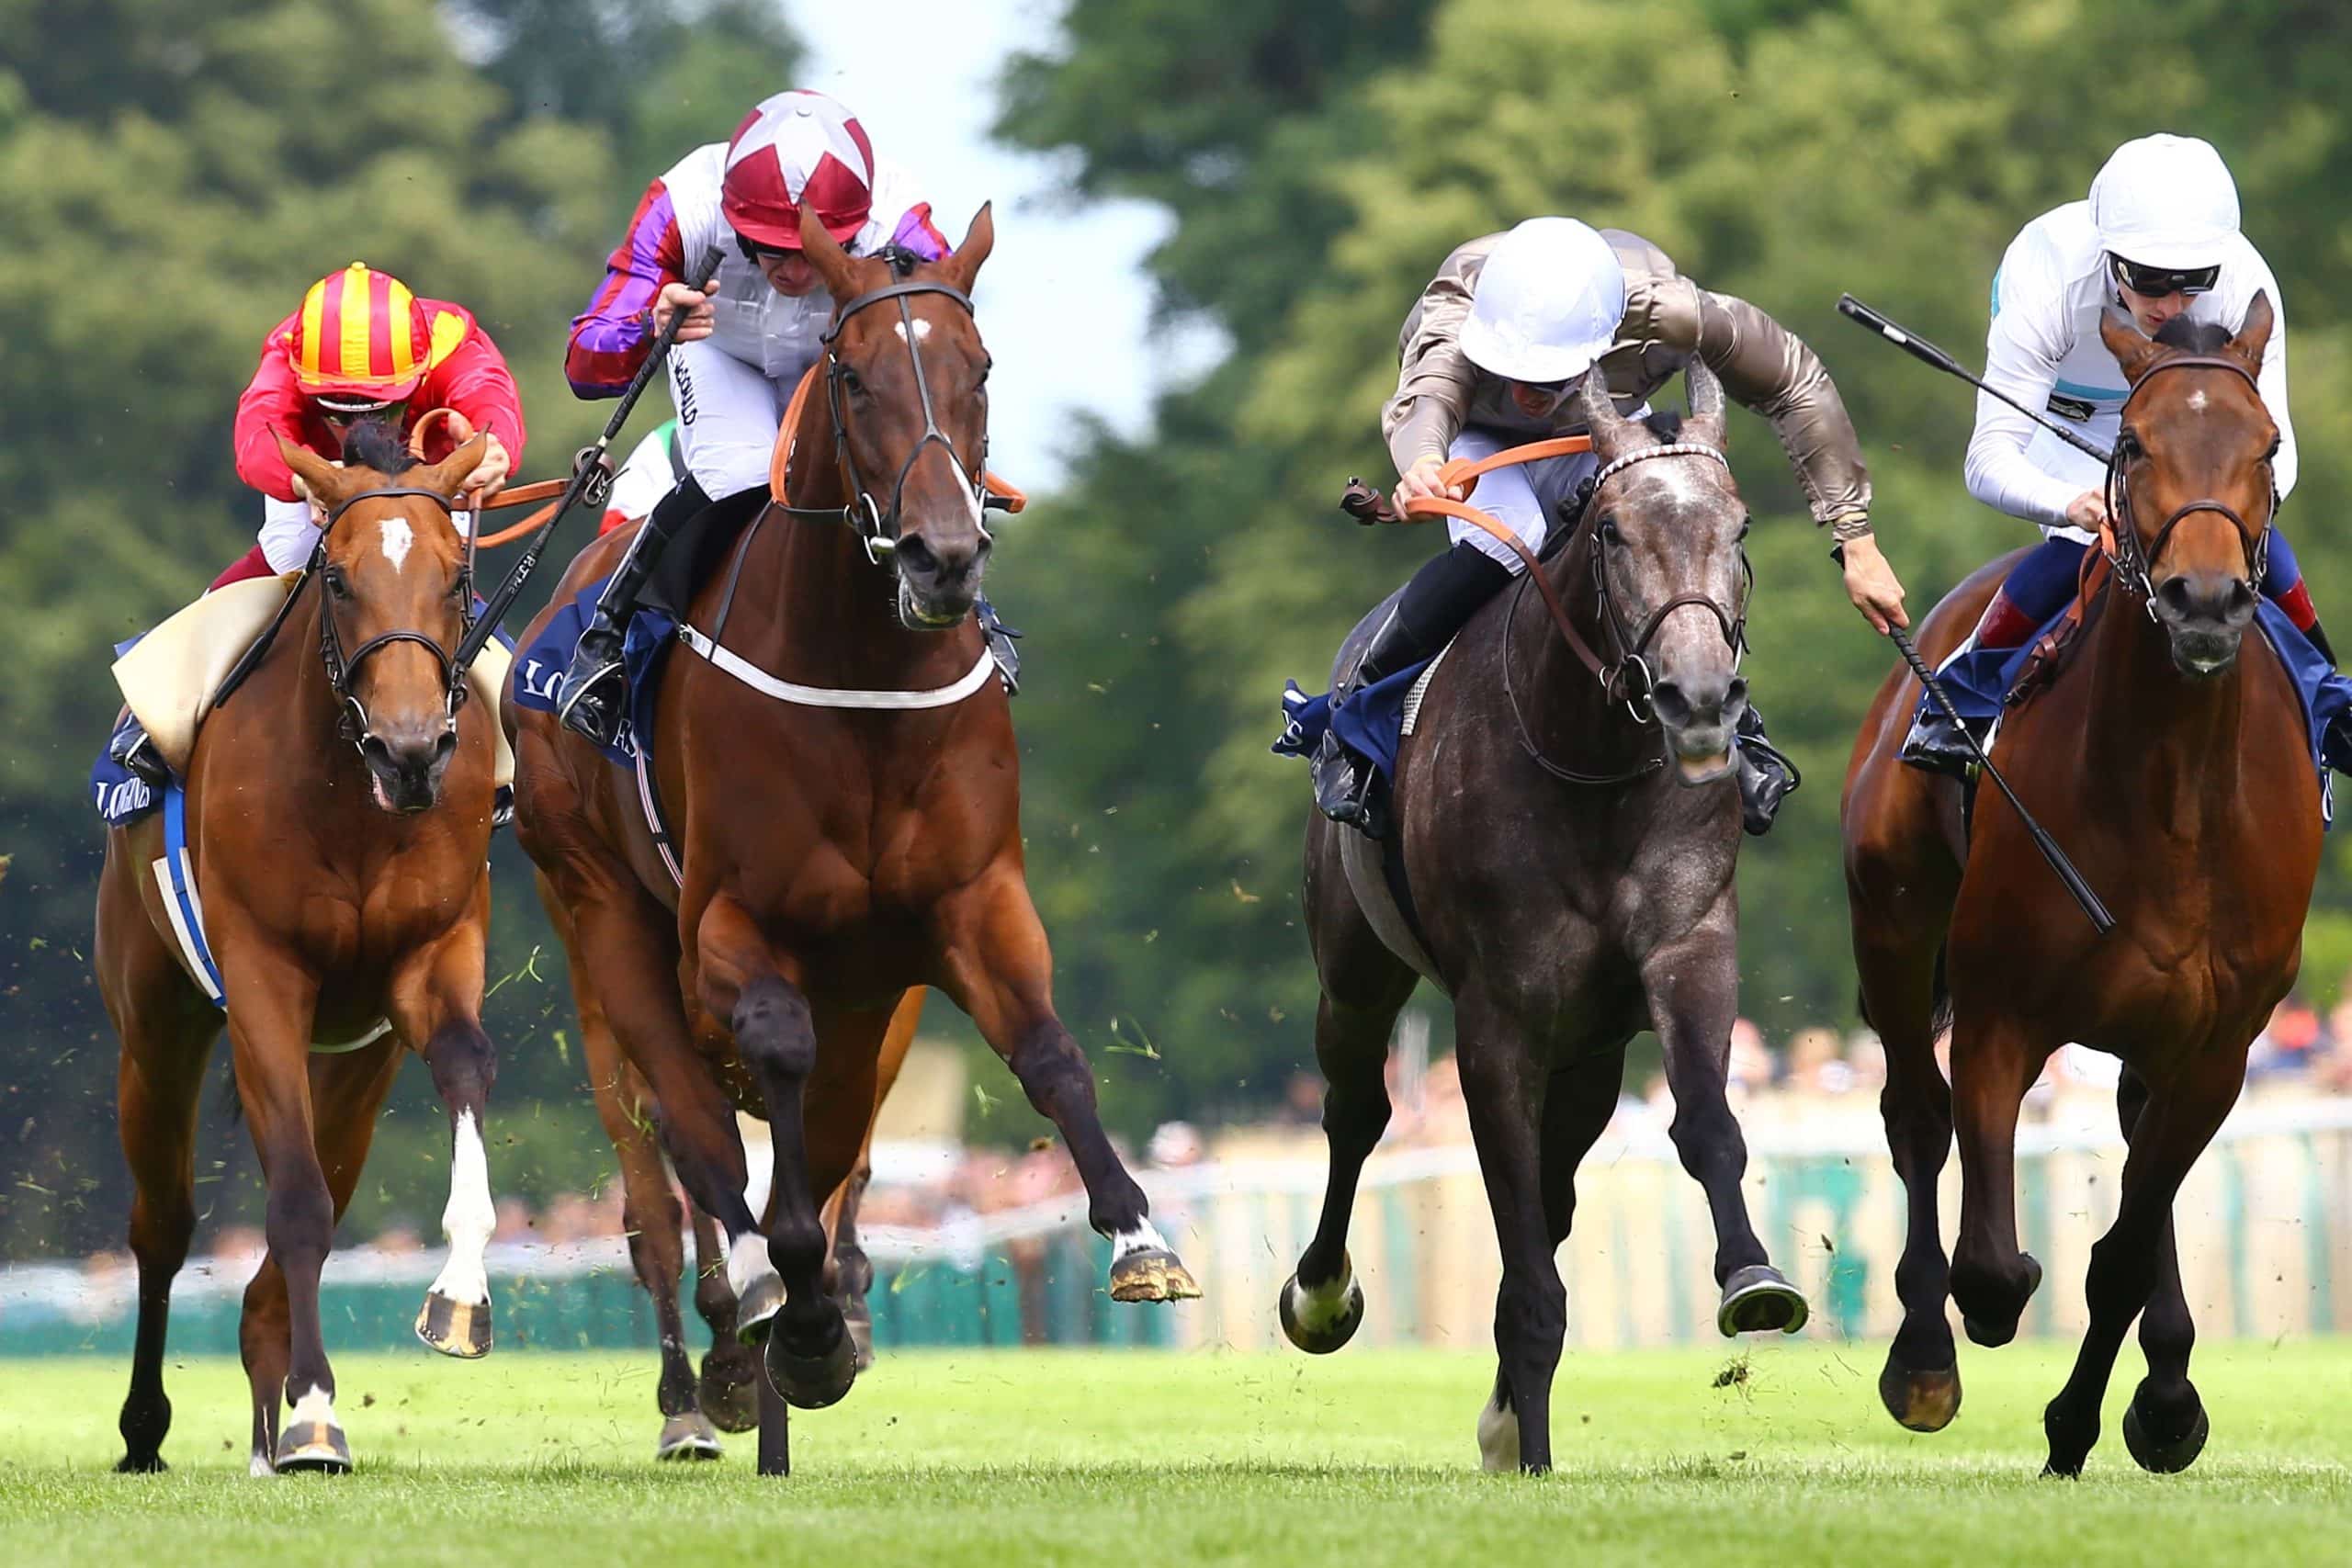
{"points": [[728, 1389], [849, 1272], [160, 1086]]}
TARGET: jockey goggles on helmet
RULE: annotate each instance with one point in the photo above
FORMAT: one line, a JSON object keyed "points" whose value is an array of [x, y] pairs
{"points": [[2155, 282], [351, 410]]}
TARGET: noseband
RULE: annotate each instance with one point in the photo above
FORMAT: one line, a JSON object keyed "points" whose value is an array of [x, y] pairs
{"points": [[355, 726], [2134, 564], [1629, 678], [879, 529]]}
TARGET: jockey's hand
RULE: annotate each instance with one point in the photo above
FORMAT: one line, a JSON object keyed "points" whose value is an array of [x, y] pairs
{"points": [[2087, 511], [490, 475], [1421, 480], [1871, 584], [702, 316]]}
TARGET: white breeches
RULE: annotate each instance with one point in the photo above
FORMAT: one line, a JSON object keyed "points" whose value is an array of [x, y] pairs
{"points": [[728, 417], [1522, 498]]}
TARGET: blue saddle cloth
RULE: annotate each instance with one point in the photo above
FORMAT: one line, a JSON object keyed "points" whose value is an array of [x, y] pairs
{"points": [[538, 669], [1371, 723]]}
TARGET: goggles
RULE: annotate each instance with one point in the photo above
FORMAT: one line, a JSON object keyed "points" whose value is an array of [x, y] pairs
{"points": [[351, 410], [2155, 282]]}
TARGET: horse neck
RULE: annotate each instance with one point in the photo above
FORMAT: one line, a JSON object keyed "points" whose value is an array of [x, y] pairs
{"points": [[2158, 747], [809, 606]]}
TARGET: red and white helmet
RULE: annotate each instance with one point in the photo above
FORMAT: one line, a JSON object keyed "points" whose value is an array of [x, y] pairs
{"points": [[797, 149]]}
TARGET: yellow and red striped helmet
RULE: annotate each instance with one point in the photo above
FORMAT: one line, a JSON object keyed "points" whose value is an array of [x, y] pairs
{"points": [[360, 335]]}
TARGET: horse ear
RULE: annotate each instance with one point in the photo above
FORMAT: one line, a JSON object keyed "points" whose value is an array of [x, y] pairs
{"points": [[964, 264], [322, 482], [452, 471], [2255, 336], [825, 253], [1705, 424], [1613, 433], [2133, 349]]}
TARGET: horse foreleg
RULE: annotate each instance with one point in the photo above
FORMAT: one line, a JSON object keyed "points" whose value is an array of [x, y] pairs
{"points": [[1321, 1305], [1993, 1064], [271, 1008], [851, 1271], [1694, 989], [810, 1355], [1504, 1089], [2165, 1425], [437, 1006], [1578, 1105], [999, 969], [2172, 1128]]}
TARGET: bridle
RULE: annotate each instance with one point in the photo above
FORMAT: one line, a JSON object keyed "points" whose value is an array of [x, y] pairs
{"points": [[341, 666], [1627, 678], [2133, 562], [879, 529]]}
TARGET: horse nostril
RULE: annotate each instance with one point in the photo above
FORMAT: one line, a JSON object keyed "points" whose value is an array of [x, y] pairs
{"points": [[2240, 602], [1668, 702], [2173, 595], [916, 556]]}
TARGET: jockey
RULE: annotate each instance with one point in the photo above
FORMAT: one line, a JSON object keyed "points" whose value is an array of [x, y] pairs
{"points": [[361, 346], [2159, 237], [1493, 351], [718, 237]]}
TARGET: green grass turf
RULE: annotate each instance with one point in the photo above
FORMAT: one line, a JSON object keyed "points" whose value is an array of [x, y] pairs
{"points": [[1366, 1457]]}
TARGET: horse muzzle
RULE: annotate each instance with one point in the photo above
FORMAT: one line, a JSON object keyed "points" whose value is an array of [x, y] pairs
{"points": [[937, 582], [406, 769], [2204, 615], [1697, 718]]}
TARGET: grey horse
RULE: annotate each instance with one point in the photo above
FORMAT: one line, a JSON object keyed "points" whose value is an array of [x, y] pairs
{"points": [[1569, 828]]}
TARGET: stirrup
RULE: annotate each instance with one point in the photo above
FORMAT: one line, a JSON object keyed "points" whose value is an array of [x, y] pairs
{"points": [[586, 703], [139, 755]]}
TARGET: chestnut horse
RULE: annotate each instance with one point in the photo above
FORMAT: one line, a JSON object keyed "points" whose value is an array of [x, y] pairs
{"points": [[2170, 757], [840, 845], [338, 840]]}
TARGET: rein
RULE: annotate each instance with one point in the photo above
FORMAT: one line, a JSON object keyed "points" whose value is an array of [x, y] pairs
{"points": [[1632, 643], [2134, 563], [341, 666]]}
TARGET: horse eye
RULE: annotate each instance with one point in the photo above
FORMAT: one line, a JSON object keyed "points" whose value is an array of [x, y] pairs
{"points": [[1745, 525], [851, 382], [1608, 529], [2127, 444], [337, 583]]}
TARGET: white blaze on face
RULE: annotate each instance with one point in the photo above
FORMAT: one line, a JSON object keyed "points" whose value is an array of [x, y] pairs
{"points": [[468, 1219], [923, 330], [2197, 399], [398, 538]]}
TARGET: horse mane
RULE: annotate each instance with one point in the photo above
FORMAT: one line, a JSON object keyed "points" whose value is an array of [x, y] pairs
{"points": [[374, 443], [2196, 337]]}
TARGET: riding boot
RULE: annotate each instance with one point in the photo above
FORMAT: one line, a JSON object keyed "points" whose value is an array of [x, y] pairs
{"points": [[131, 748], [1437, 602], [1766, 775], [591, 698]]}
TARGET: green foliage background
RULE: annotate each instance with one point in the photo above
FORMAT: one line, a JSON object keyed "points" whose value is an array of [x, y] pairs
{"points": [[173, 177]]}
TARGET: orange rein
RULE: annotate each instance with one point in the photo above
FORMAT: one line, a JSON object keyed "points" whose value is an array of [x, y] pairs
{"points": [[461, 431], [787, 438], [1464, 472]]}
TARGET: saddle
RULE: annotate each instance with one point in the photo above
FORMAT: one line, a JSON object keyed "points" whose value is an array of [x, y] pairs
{"points": [[2050, 653]]}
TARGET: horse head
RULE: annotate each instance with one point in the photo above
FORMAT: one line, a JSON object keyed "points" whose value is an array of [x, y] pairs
{"points": [[1669, 571], [2191, 488], [907, 385], [395, 587]]}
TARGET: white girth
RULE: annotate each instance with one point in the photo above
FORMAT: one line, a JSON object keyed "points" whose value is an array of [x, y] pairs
{"points": [[766, 684]]}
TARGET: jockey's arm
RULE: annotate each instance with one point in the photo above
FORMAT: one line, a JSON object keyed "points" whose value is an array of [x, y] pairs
{"points": [[271, 402], [2272, 383], [475, 381], [611, 338], [2021, 354]]}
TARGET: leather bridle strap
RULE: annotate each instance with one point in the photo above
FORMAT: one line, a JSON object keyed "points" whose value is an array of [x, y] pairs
{"points": [[2132, 559]]}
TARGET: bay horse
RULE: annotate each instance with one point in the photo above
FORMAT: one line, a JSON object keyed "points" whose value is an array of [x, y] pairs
{"points": [[2170, 759], [338, 818], [1564, 910], [694, 1410], [833, 857]]}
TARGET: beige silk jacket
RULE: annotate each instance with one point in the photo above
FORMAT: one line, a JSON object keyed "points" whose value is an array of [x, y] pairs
{"points": [[1667, 319]]}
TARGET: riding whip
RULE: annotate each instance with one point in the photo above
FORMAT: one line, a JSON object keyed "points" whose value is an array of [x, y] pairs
{"points": [[1919, 348]]}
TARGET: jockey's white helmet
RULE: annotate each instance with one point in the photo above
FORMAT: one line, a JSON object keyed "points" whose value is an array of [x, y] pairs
{"points": [[1547, 302], [2165, 201]]}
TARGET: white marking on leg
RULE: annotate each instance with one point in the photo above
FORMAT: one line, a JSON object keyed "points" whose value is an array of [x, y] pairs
{"points": [[1143, 1238], [1321, 1307], [316, 1405], [259, 1465], [398, 538], [755, 1189], [468, 1219], [748, 1263], [1497, 1435]]}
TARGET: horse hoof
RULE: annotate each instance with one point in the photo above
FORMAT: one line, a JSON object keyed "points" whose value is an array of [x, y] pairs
{"points": [[455, 1328], [1319, 1321], [1152, 1274], [140, 1464], [2161, 1456], [729, 1392], [1992, 1335], [1924, 1402], [1757, 1300], [315, 1446], [755, 1312], [688, 1437], [812, 1382]]}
